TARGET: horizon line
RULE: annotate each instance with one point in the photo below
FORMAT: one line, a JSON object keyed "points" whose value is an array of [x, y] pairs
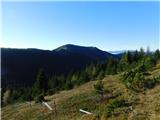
{"points": [[79, 46]]}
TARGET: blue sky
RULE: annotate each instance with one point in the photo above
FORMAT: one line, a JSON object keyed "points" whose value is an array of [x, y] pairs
{"points": [[106, 25]]}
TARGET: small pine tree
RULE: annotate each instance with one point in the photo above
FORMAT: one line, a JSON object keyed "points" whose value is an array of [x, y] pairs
{"points": [[99, 88], [110, 62], [157, 55], [148, 62], [41, 84], [135, 56], [138, 81], [101, 75], [141, 53], [68, 85], [74, 78], [6, 97], [128, 57], [83, 78], [91, 71], [125, 61], [53, 84], [94, 72]]}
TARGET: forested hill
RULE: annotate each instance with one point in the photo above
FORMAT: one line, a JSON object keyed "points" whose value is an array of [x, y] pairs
{"points": [[20, 66], [125, 89]]}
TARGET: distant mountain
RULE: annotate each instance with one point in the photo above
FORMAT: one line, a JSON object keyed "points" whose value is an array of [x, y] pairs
{"points": [[19, 67], [91, 52], [117, 52]]}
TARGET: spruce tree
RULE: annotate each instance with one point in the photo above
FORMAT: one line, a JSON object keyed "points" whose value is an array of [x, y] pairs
{"points": [[135, 56], [41, 84], [141, 53], [128, 57], [83, 78], [101, 75], [94, 72], [53, 84], [69, 84], [74, 78], [157, 55]]}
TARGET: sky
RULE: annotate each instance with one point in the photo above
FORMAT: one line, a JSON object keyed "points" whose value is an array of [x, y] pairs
{"points": [[109, 26]]}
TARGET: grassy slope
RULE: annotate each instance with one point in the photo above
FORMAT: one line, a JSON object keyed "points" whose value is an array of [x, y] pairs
{"points": [[145, 105]]}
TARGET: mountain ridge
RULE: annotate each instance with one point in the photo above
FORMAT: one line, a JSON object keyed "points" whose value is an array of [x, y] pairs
{"points": [[17, 62], [92, 52]]}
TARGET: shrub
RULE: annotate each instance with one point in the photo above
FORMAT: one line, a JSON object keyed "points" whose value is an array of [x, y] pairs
{"points": [[119, 102], [99, 88], [114, 104]]}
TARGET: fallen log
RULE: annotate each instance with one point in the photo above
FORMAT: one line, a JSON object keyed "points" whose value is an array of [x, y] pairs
{"points": [[83, 111], [47, 105]]}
